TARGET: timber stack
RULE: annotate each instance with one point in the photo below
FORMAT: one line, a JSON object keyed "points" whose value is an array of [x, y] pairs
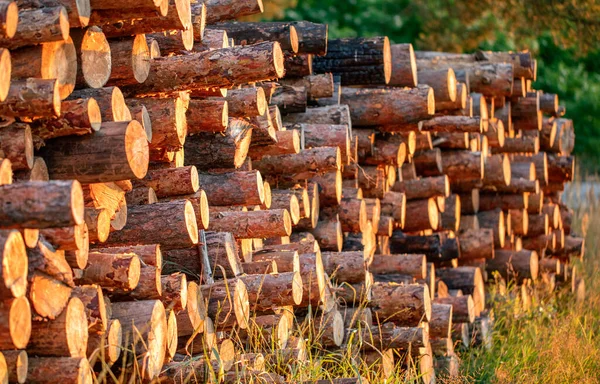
{"points": [[184, 196]]}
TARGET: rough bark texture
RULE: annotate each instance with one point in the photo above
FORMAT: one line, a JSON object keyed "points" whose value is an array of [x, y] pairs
{"points": [[254, 224], [476, 244], [32, 97], [303, 165], [171, 181], [404, 66], [404, 305], [208, 115]]}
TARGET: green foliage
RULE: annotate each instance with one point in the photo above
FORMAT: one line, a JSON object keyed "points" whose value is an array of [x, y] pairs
{"points": [[563, 34]]}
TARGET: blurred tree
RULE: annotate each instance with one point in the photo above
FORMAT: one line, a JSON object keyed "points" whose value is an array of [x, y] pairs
{"points": [[563, 34]]}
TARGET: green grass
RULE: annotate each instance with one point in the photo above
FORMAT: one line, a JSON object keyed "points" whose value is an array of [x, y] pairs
{"points": [[557, 339]]}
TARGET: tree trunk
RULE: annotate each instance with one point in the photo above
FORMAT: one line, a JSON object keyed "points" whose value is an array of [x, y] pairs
{"points": [[84, 158], [328, 233], [208, 115], [246, 102], [515, 265], [333, 114], [428, 163], [467, 279], [407, 264], [297, 65], [423, 188], [347, 267], [112, 271], [268, 291], [442, 81], [422, 214], [388, 107], [358, 61], [176, 73], [220, 10], [130, 60], [254, 224], [38, 26], [110, 100], [404, 66], [317, 86], [144, 324], [67, 335], [404, 305], [177, 220]]}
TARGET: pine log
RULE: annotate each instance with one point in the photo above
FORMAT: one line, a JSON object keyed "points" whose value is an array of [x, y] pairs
{"points": [[524, 144], [463, 308], [141, 195], [60, 204], [422, 215], [538, 225], [328, 233], [169, 123], [95, 307], [246, 102], [515, 265], [357, 60], [112, 271], [226, 150], [77, 117], [297, 65], [16, 366], [389, 335], [423, 188], [144, 324], [130, 60], [220, 10], [207, 68], [347, 267], [290, 99], [303, 165], [66, 335], [476, 244], [452, 124], [71, 157], [110, 100], [38, 26], [93, 55], [494, 220], [268, 291], [45, 259], [207, 115], [254, 224], [404, 305], [463, 165], [38, 172], [174, 41], [334, 114], [442, 81], [389, 107], [468, 279], [264, 129], [246, 33], [73, 370], [228, 303], [47, 295], [15, 323], [317, 86], [171, 181], [32, 97], [408, 264], [404, 66], [560, 168]]}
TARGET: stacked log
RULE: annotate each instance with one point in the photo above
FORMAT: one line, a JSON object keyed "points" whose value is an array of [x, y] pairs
{"points": [[161, 207]]}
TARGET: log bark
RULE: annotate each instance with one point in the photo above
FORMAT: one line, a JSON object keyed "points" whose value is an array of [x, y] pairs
{"points": [[453, 124], [254, 224], [317, 86], [422, 214], [463, 165], [428, 163], [171, 181], [290, 99], [515, 265], [235, 188], [67, 335], [388, 107], [297, 65], [329, 234], [15, 323], [524, 144], [463, 308], [357, 61], [468, 279], [347, 267], [476, 244], [218, 68], [45, 259], [95, 307], [38, 26], [9, 19], [404, 305], [32, 97], [247, 33], [84, 158], [246, 102], [333, 114], [110, 100], [269, 291], [226, 150], [494, 220], [58, 204], [144, 324], [404, 66], [72, 370], [208, 115], [423, 188], [407, 264], [169, 123], [220, 10], [77, 117], [228, 303], [112, 271], [38, 172], [130, 60], [442, 81], [16, 143], [303, 165]]}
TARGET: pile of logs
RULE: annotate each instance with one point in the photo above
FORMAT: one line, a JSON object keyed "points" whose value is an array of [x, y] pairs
{"points": [[187, 197]]}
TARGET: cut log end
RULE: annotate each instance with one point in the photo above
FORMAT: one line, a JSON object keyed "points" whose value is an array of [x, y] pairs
{"points": [[430, 102], [11, 20], [95, 57], [19, 322], [5, 73], [140, 58], [137, 149], [294, 43], [297, 288], [190, 222], [387, 60], [64, 24], [278, 60]]}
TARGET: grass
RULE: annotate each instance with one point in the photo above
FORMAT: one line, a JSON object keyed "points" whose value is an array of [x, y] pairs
{"points": [[557, 339]]}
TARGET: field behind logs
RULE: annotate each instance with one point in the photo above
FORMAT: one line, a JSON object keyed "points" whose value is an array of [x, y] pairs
{"points": [[185, 197]]}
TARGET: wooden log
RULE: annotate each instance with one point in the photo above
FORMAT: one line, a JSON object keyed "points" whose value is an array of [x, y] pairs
{"points": [[169, 121], [463, 308], [468, 279], [177, 218], [220, 10], [207, 68], [453, 124], [407, 264], [47, 295], [515, 265], [519, 222], [357, 60], [171, 181], [93, 55], [328, 233], [388, 107], [96, 308], [45, 259], [440, 324], [126, 22], [144, 324], [404, 66], [228, 303], [77, 117], [423, 214], [489, 202], [16, 143], [38, 171], [66, 335], [16, 365], [268, 291], [348, 267], [110, 100], [257, 224], [463, 165], [38, 26], [303, 165], [207, 115], [525, 144], [130, 60], [246, 102], [60, 204], [73, 370], [32, 97], [227, 150], [84, 157], [334, 114], [288, 142], [404, 305], [476, 244], [423, 188], [10, 19], [252, 33], [112, 271], [560, 168], [442, 81], [15, 323], [494, 220], [317, 86]]}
